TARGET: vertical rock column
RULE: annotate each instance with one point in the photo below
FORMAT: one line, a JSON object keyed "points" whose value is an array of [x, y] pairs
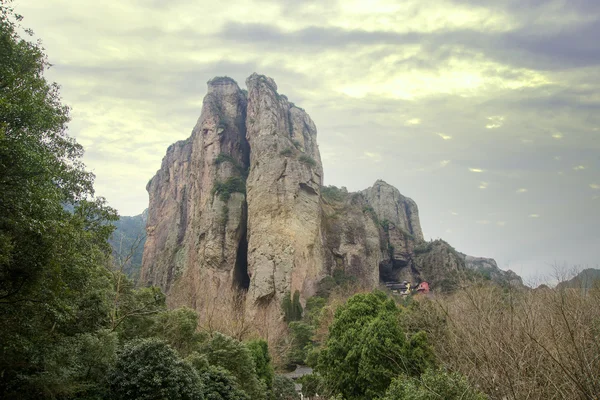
{"points": [[283, 190], [197, 213]]}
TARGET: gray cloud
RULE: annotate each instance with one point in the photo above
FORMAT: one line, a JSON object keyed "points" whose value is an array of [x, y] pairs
{"points": [[516, 97]]}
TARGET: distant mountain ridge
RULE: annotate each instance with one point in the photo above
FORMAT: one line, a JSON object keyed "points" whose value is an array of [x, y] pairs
{"points": [[583, 280], [128, 241]]}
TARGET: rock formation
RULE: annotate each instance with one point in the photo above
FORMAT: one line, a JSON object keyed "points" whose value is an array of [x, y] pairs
{"points": [[240, 204]]}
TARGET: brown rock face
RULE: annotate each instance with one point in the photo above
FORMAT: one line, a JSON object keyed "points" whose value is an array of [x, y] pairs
{"points": [[284, 212], [240, 205], [197, 215]]}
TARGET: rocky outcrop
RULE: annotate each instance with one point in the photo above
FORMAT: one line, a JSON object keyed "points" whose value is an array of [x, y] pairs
{"points": [[489, 269], [284, 212], [239, 209], [197, 218]]}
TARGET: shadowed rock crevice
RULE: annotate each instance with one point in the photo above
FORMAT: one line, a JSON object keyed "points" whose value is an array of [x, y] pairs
{"points": [[241, 279]]}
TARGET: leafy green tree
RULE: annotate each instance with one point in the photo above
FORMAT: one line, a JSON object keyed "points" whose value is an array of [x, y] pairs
{"points": [[149, 369], [433, 385], [367, 348], [179, 328], [262, 360], [220, 384], [284, 389], [226, 352], [301, 334], [54, 284]]}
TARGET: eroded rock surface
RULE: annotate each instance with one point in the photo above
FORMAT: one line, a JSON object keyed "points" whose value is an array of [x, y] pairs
{"points": [[284, 212], [239, 209]]}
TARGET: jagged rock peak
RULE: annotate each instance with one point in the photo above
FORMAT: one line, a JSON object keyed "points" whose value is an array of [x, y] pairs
{"points": [[253, 79], [222, 84], [390, 205]]}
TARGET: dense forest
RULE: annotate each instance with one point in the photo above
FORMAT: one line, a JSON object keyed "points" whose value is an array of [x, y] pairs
{"points": [[75, 326]]}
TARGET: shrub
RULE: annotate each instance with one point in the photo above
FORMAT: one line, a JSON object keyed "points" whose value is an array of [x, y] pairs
{"points": [[296, 144], [307, 160], [333, 193], [233, 184], [150, 369], [287, 152]]}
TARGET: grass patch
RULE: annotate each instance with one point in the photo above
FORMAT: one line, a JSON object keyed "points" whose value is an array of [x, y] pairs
{"points": [[232, 185], [297, 144], [307, 160], [287, 152]]}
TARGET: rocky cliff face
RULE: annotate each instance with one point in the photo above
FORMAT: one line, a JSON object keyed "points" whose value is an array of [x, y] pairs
{"points": [[240, 205], [197, 218]]}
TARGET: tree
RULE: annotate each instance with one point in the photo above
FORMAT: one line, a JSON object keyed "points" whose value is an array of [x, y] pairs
{"points": [[226, 352], [292, 309], [284, 389], [432, 385], [262, 360], [367, 348], [149, 369], [219, 384]]}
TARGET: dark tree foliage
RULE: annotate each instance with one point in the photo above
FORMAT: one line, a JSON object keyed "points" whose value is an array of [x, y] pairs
{"points": [[220, 384], [292, 309], [367, 348], [433, 385], [262, 361], [65, 307], [226, 352], [283, 389], [150, 369]]}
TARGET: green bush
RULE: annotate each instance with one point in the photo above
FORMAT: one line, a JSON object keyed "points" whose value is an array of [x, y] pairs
{"points": [[307, 160], [432, 385], [150, 369], [367, 348], [232, 185], [296, 144]]}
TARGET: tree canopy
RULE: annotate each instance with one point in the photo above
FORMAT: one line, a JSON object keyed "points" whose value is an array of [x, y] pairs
{"points": [[367, 348]]}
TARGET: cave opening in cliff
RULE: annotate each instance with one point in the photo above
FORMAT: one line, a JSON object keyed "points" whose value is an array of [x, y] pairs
{"points": [[240, 277]]}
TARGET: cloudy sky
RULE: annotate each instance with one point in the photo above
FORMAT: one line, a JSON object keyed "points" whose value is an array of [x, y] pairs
{"points": [[486, 113]]}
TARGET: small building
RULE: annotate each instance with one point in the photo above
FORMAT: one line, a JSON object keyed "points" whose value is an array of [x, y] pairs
{"points": [[423, 288]]}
